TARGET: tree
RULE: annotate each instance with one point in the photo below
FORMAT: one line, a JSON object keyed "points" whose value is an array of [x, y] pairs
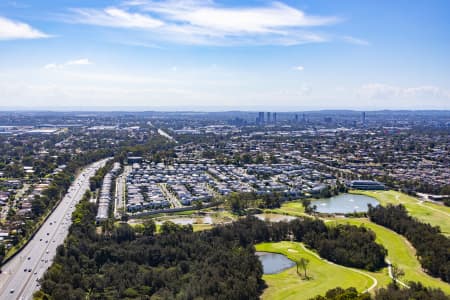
{"points": [[396, 273], [303, 264], [306, 203], [149, 227], [37, 206], [308, 208], [198, 204]]}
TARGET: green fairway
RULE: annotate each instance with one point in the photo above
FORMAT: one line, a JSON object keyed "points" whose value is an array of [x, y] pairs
{"points": [[400, 252], [293, 208], [434, 214], [289, 285]]}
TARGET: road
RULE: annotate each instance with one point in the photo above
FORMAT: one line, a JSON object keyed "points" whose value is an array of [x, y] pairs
{"points": [[120, 193], [20, 275], [4, 210], [166, 135], [174, 202]]}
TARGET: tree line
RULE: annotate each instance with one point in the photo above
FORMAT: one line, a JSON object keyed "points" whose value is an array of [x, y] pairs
{"points": [[391, 292], [124, 262], [432, 246]]}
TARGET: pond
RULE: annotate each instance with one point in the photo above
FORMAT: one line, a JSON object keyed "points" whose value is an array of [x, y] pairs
{"points": [[344, 203], [274, 263]]}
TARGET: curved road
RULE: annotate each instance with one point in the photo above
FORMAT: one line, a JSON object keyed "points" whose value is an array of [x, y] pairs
{"points": [[19, 278]]}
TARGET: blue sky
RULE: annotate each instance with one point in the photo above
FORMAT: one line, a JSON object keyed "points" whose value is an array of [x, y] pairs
{"points": [[285, 55]]}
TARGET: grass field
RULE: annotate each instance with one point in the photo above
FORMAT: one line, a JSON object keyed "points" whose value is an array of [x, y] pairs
{"points": [[325, 276], [293, 208], [401, 253], [434, 214]]}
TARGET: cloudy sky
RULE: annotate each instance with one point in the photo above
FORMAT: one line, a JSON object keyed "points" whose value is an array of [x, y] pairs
{"points": [[304, 54]]}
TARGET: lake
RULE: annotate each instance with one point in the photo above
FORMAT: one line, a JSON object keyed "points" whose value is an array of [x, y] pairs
{"points": [[344, 203], [274, 263]]}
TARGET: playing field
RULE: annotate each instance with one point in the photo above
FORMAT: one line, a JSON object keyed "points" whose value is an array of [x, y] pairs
{"points": [[324, 276], [427, 212]]}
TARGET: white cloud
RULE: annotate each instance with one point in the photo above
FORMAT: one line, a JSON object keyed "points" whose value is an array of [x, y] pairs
{"points": [[266, 19], [12, 30], [75, 62], [299, 68], [206, 22], [355, 41], [115, 17], [379, 91], [51, 66], [81, 61]]}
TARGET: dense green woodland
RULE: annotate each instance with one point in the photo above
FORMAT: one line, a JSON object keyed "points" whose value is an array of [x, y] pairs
{"points": [[182, 264], [393, 292], [433, 248]]}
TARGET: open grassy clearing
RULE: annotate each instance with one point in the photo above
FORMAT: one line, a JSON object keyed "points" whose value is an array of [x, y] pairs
{"points": [[400, 252], [427, 212], [293, 208], [288, 285]]}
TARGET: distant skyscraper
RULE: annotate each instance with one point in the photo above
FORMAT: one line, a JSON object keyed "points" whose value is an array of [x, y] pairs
{"points": [[363, 118], [296, 118], [261, 118], [274, 118], [304, 118], [268, 117]]}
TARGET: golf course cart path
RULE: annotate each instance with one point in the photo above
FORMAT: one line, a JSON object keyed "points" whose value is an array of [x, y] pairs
{"points": [[375, 281], [392, 277], [432, 208], [420, 202]]}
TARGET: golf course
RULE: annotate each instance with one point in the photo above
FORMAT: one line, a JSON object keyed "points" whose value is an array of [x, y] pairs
{"points": [[426, 212], [325, 275], [322, 275], [400, 252]]}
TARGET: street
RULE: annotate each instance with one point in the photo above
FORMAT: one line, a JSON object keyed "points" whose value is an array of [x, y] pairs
{"points": [[19, 278]]}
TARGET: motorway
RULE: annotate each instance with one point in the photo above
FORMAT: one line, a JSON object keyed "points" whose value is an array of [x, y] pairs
{"points": [[19, 278]]}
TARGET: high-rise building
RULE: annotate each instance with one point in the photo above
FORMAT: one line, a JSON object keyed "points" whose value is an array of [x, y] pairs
{"points": [[296, 118], [274, 118], [261, 118], [268, 117], [363, 118]]}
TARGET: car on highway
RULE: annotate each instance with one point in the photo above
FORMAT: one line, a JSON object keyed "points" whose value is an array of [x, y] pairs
{"points": [[11, 291]]}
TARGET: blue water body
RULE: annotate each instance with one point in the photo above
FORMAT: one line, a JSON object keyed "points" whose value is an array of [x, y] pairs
{"points": [[274, 263], [344, 203]]}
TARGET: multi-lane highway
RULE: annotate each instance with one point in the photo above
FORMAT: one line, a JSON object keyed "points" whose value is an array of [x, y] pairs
{"points": [[19, 279]]}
